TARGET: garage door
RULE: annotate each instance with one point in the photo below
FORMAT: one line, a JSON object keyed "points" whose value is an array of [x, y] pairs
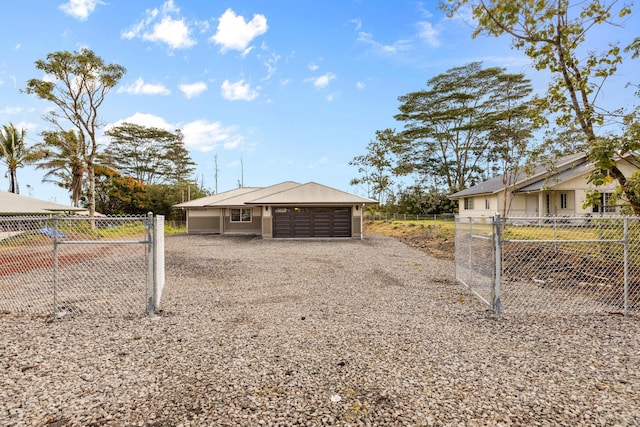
{"points": [[312, 222]]}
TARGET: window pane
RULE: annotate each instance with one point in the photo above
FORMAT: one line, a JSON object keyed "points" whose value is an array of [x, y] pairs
{"points": [[235, 214], [246, 215]]}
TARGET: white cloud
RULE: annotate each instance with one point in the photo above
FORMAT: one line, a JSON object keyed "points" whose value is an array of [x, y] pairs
{"points": [[204, 136], [238, 91], [8, 111], [143, 119], [192, 89], [161, 26], [383, 49], [199, 135], [313, 66], [360, 85], [428, 33], [79, 9], [357, 22], [139, 87], [234, 33], [173, 32], [323, 80]]}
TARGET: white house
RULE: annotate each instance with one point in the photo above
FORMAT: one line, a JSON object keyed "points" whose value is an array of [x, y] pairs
{"points": [[556, 190]]}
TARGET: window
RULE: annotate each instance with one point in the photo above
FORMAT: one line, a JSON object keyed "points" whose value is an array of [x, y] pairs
{"points": [[563, 200], [605, 204], [241, 215], [468, 203], [487, 204]]}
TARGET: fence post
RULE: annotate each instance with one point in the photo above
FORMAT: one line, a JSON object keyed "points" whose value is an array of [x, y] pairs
{"points": [[151, 305], [626, 267], [55, 267], [470, 264], [498, 271]]}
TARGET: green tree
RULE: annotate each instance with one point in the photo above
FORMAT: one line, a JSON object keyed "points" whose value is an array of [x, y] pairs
{"points": [[511, 131], [13, 153], [61, 155], [554, 35], [448, 124], [150, 155], [77, 83], [378, 164]]}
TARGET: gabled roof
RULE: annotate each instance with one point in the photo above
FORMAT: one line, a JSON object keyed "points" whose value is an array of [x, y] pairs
{"points": [[284, 193], [216, 198], [244, 198], [17, 204], [543, 176], [312, 193]]}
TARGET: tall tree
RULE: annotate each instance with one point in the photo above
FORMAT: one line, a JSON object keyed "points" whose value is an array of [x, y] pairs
{"points": [[447, 124], [511, 130], [554, 35], [61, 155], [377, 165], [148, 154], [77, 83], [13, 153]]}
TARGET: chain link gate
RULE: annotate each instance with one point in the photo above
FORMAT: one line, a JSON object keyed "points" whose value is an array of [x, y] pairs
{"points": [[551, 265], [71, 265]]}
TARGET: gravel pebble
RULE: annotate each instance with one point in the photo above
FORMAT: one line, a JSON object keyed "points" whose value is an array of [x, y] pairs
{"points": [[347, 333]]}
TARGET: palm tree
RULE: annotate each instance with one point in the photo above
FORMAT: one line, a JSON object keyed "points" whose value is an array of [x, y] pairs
{"points": [[61, 154], [13, 153]]}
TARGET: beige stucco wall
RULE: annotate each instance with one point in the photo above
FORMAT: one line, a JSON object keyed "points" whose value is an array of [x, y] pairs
{"points": [[205, 220]]}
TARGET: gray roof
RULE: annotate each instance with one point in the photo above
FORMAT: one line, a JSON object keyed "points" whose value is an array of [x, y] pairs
{"points": [[244, 198], [216, 198], [542, 177], [312, 193], [284, 193], [17, 204]]}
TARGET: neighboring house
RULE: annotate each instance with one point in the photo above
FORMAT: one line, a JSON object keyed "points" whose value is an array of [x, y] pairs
{"points": [[16, 204], [556, 190], [285, 210]]}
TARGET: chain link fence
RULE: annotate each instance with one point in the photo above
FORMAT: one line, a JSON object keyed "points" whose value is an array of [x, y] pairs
{"points": [[70, 265], [551, 265]]}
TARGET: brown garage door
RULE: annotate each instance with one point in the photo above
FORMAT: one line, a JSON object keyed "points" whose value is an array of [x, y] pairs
{"points": [[312, 222]]}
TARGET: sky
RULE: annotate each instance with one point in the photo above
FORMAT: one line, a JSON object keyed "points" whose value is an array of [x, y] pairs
{"points": [[268, 91]]}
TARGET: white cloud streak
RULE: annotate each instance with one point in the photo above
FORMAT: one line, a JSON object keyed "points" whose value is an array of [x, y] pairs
{"points": [[323, 80], [191, 90], [139, 87]]}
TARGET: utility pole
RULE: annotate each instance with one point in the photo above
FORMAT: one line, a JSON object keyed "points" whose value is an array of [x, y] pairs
{"points": [[241, 173], [215, 170]]}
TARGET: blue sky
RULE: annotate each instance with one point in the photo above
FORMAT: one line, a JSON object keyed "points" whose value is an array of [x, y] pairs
{"points": [[293, 89]]}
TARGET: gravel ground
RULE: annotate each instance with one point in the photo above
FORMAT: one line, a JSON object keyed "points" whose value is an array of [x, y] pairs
{"points": [[371, 332]]}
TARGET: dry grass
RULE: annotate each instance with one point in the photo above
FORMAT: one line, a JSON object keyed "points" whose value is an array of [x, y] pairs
{"points": [[435, 238]]}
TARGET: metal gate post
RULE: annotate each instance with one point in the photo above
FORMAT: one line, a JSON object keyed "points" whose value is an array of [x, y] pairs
{"points": [[55, 267], [496, 302], [151, 304], [626, 267], [470, 264]]}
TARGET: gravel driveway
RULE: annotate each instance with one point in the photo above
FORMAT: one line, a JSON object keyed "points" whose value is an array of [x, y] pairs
{"points": [[281, 332]]}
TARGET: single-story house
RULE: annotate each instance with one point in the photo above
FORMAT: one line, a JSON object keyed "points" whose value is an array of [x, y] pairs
{"points": [[284, 210], [17, 204], [550, 190]]}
